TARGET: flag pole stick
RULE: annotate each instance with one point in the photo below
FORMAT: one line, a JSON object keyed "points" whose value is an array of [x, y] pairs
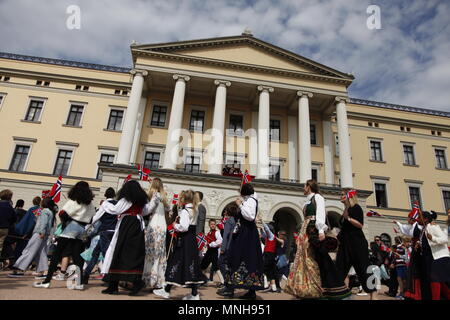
{"points": [[170, 246]]}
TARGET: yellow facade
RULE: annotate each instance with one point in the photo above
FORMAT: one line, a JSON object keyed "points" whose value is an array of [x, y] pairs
{"points": [[251, 64]]}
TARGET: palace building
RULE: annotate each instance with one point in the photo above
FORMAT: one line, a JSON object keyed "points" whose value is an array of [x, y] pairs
{"points": [[194, 111]]}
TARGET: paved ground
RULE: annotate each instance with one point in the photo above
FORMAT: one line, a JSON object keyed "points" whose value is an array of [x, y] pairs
{"points": [[21, 289]]}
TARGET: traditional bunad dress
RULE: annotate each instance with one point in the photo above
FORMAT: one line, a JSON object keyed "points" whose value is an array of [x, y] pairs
{"points": [[183, 267], [244, 255], [155, 244], [124, 260]]}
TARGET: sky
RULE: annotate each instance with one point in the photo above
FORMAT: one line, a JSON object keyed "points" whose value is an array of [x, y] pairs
{"points": [[404, 61]]}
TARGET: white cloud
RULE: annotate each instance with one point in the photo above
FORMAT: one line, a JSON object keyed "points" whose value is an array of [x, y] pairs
{"points": [[406, 62]]}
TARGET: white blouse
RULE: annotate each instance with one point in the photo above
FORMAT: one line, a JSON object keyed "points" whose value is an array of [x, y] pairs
{"points": [[248, 207], [321, 224], [187, 217]]}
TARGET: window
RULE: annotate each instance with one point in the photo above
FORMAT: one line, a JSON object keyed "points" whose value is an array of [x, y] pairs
{"points": [[192, 164], [275, 130], [34, 110], [375, 151], [446, 196], [19, 158], [197, 120], [441, 162], [115, 120], [312, 130], [46, 83], [151, 160], [314, 174], [274, 172], [381, 195], [62, 162], [77, 87], [336, 145], [75, 113], [116, 91], [370, 124], [85, 88], [6, 79], [414, 195], [159, 116], [105, 158], [124, 92], [2, 97], [408, 152], [236, 125]]}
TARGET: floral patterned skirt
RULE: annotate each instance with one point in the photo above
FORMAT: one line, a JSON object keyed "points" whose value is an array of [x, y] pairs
{"points": [[155, 257], [183, 266], [304, 278]]}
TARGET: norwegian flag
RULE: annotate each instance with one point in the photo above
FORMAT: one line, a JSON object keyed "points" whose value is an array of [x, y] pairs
{"points": [[172, 231], [37, 212], [45, 194], [201, 241], [128, 178], [295, 234], [373, 213], [221, 224], [246, 177], [175, 198], [55, 193], [414, 213], [143, 173], [351, 194], [385, 248]]}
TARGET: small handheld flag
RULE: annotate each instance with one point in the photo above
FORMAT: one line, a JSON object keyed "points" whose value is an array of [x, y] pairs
{"points": [[45, 194], [172, 231], [414, 213], [221, 224], [351, 194], [37, 212], [201, 241], [143, 173], [373, 213], [246, 178], [128, 178], [175, 198], [55, 193]]}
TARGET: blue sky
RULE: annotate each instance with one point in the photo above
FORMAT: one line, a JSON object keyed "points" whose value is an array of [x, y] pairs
{"points": [[407, 61]]}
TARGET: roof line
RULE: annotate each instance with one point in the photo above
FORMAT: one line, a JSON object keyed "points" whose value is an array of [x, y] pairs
{"points": [[61, 62], [400, 107]]}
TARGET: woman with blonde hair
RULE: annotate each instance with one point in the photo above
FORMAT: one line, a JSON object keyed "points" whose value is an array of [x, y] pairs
{"points": [[155, 236], [183, 267], [353, 247]]}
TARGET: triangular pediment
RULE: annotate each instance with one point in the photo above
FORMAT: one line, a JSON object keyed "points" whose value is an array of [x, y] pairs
{"points": [[244, 50]]}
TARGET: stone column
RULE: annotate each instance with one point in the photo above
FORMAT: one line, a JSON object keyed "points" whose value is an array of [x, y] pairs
{"points": [[263, 132], [171, 154], [345, 155], [328, 151], [215, 164], [292, 147], [304, 136], [131, 118]]}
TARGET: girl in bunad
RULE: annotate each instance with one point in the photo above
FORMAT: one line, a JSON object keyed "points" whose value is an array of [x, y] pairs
{"points": [[124, 260], [77, 212], [353, 247], [431, 260], [37, 248], [269, 255], [244, 255], [155, 236], [183, 267]]}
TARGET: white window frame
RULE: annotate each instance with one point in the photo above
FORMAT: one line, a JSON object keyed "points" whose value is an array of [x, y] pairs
{"points": [[386, 183], [315, 123], [64, 147], [380, 140], [168, 106], [21, 142], [30, 98], [115, 108], [442, 196], [413, 145], [278, 118], [188, 152], [197, 108], [102, 152], [278, 162], [415, 185], [316, 166], [234, 156], [229, 113], [3, 98], [155, 149], [77, 103], [444, 149]]}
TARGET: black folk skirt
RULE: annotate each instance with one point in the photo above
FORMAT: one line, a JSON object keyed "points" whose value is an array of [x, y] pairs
{"points": [[183, 266], [128, 260], [245, 259]]}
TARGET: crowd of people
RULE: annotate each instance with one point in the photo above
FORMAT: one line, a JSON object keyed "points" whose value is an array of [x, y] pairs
{"points": [[140, 239]]}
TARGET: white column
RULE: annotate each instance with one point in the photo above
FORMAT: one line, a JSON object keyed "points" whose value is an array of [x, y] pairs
{"points": [[137, 131], [328, 151], [171, 156], [263, 132], [345, 155], [304, 136], [129, 125], [215, 164], [252, 135], [292, 147]]}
